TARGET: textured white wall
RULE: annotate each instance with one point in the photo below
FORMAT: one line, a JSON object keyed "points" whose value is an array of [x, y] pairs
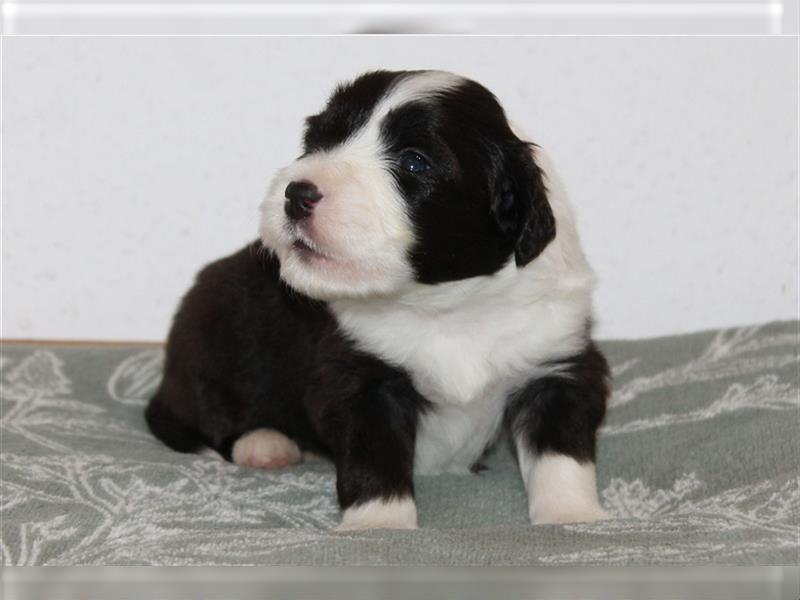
{"points": [[130, 162]]}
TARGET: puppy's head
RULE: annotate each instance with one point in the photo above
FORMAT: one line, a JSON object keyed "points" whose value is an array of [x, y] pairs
{"points": [[411, 176]]}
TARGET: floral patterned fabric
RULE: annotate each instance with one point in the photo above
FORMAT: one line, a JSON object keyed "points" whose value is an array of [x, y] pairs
{"points": [[698, 461]]}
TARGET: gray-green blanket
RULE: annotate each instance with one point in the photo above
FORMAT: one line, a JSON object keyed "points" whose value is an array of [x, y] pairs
{"points": [[698, 461]]}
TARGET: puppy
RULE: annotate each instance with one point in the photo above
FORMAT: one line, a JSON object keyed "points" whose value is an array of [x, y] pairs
{"points": [[418, 288]]}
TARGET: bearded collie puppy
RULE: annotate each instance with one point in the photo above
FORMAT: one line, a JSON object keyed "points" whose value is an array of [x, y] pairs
{"points": [[417, 290]]}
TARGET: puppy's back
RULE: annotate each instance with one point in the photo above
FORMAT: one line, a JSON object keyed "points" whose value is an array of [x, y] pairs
{"points": [[228, 368]]}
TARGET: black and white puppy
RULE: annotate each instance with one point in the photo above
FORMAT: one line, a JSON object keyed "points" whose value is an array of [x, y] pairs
{"points": [[418, 288]]}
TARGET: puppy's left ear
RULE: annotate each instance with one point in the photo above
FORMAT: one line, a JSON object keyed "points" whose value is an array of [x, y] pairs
{"points": [[520, 203]]}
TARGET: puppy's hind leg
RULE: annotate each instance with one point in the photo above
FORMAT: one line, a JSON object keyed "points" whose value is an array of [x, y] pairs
{"points": [[265, 449], [168, 428]]}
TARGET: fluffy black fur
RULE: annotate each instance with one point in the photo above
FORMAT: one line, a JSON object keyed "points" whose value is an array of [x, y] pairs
{"points": [[465, 135], [236, 357], [562, 412], [348, 110], [246, 352]]}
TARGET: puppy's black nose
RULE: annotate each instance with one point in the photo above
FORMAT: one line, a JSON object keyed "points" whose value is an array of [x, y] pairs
{"points": [[301, 197]]}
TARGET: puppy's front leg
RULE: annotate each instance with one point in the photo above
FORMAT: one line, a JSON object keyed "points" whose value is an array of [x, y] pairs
{"points": [[554, 421], [372, 435]]}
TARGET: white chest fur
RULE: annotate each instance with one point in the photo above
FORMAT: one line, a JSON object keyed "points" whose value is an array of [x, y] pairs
{"points": [[467, 345]]}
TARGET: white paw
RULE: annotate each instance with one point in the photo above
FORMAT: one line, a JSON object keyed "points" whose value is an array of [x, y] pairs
{"points": [[569, 514], [560, 489], [266, 449], [394, 513]]}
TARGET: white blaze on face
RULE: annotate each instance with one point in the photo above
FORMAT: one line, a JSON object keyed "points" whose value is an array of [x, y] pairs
{"points": [[360, 231]]}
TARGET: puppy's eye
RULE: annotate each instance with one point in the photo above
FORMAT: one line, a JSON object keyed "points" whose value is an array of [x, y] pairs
{"points": [[413, 162]]}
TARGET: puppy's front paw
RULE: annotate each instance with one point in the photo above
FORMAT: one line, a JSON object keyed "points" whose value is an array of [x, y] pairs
{"points": [[561, 490], [266, 449], [389, 513], [553, 515]]}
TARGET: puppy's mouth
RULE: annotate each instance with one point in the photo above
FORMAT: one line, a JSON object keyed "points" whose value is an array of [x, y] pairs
{"points": [[307, 250], [313, 255]]}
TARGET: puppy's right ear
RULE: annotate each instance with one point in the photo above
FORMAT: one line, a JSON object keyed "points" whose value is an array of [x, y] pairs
{"points": [[520, 206]]}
